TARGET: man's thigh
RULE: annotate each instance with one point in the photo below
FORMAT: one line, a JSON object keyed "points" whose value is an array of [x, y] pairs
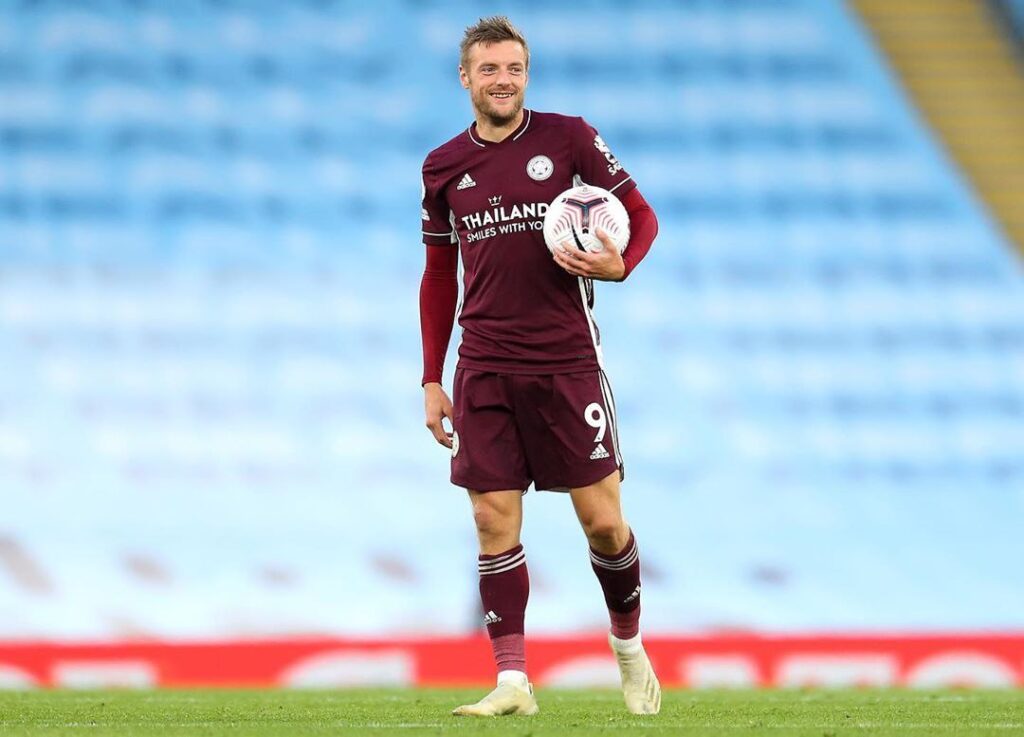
{"points": [[487, 453], [567, 422]]}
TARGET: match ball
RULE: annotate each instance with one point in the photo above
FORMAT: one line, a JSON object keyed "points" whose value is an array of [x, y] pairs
{"points": [[577, 213]]}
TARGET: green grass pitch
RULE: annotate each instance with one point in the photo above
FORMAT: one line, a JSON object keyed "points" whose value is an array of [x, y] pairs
{"points": [[426, 712]]}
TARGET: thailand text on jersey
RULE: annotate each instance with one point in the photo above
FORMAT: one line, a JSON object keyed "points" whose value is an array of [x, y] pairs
{"points": [[521, 312]]}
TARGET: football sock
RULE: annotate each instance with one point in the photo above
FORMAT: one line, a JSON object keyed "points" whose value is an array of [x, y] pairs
{"points": [[504, 590], [619, 576], [515, 677], [632, 645]]}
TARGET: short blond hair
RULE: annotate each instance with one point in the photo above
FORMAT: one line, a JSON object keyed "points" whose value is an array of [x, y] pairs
{"points": [[491, 30]]}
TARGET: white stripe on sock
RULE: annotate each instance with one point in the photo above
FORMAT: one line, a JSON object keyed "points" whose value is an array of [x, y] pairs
{"points": [[518, 562], [490, 562], [503, 564], [616, 565]]}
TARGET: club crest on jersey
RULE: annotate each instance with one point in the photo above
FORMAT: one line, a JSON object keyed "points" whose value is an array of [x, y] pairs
{"points": [[539, 168]]}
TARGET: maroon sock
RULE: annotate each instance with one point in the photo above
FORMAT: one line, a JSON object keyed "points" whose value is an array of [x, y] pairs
{"points": [[619, 576], [504, 589]]}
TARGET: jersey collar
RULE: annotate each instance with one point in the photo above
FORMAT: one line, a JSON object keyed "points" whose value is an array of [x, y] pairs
{"points": [[515, 134]]}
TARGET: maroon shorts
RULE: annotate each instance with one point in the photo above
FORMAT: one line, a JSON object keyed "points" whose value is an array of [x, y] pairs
{"points": [[557, 431]]}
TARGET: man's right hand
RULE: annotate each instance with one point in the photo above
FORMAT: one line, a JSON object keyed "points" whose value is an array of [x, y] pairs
{"points": [[437, 406]]}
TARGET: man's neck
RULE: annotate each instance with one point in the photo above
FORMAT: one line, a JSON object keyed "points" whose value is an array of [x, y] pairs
{"points": [[493, 133]]}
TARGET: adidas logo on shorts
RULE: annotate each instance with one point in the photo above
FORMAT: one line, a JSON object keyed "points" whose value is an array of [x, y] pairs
{"points": [[599, 453]]}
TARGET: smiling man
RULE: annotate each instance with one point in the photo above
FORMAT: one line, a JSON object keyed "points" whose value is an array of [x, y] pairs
{"points": [[532, 402]]}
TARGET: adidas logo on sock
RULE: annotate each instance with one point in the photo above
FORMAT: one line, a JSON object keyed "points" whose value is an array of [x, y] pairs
{"points": [[491, 618], [466, 182], [635, 594], [599, 453]]}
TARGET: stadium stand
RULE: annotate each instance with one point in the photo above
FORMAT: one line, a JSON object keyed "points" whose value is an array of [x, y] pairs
{"points": [[959, 64], [210, 418]]}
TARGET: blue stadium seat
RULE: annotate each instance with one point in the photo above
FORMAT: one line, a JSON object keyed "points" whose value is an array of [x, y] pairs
{"points": [[209, 260]]}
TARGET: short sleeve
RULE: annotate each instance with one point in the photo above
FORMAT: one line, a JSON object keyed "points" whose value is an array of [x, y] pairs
{"points": [[595, 163], [435, 216]]}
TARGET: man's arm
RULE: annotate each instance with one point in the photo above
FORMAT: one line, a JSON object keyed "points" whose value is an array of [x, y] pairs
{"points": [[643, 229], [439, 296], [609, 264]]}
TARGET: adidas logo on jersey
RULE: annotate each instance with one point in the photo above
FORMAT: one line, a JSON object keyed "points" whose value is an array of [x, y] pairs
{"points": [[599, 453], [466, 182], [491, 618]]}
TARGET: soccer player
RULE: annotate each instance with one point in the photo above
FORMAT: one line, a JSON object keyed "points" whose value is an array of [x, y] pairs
{"points": [[532, 402]]}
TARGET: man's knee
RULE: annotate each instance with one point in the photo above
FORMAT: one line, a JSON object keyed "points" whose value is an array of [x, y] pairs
{"points": [[497, 520], [606, 532], [490, 519]]}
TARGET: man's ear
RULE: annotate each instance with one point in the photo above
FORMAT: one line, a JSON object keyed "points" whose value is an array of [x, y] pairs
{"points": [[463, 77]]}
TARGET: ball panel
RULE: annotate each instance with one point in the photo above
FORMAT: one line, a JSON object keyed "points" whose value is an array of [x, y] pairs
{"points": [[577, 213]]}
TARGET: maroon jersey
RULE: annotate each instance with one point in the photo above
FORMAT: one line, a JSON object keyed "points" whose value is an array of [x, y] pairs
{"points": [[521, 312]]}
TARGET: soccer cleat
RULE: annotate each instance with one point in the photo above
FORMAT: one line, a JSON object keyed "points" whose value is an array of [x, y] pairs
{"points": [[507, 698], [640, 687]]}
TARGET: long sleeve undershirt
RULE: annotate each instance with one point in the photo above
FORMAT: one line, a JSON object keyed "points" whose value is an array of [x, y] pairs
{"points": [[643, 228], [439, 297]]}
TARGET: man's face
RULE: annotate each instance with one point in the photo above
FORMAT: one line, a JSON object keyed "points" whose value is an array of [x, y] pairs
{"points": [[495, 75]]}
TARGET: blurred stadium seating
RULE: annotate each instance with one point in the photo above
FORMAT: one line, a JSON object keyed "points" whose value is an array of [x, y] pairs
{"points": [[210, 418]]}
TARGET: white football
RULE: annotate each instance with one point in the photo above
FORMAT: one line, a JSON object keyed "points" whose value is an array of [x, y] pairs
{"points": [[578, 212]]}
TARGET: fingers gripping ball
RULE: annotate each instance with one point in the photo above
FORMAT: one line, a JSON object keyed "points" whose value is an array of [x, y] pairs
{"points": [[576, 215]]}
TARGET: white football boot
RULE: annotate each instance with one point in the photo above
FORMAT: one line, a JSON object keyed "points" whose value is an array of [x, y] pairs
{"points": [[512, 696], [640, 687]]}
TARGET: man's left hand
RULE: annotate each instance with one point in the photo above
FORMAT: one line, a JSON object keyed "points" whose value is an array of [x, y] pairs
{"points": [[605, 265]]}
